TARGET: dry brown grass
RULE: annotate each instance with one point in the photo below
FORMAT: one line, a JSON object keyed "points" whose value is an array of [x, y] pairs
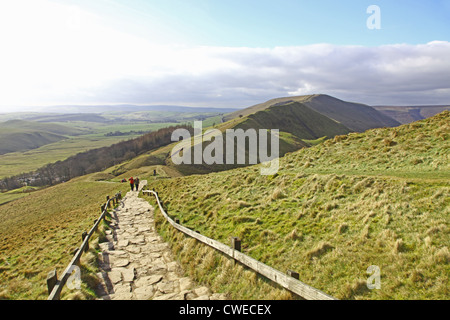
{"points": [[40, 232]]}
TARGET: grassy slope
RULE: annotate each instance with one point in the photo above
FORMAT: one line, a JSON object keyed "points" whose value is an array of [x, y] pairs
{"points": [[19, 135], [294, 118], [355, 116], [23, 141], [377, 198], [40, 232], [296, 122], [27, 126], [262, 106], [15, 194]]}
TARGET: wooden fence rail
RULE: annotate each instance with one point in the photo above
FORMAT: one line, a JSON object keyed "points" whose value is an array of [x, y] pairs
{"points": [[288, 281], [54, 285]]}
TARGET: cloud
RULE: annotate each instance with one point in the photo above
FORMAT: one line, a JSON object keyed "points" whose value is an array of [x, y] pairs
{"points": [[395, 74], [56, 54]]}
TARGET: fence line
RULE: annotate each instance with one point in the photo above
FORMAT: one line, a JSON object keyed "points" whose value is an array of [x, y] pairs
{"points": [[54, 285], [288, 281]]}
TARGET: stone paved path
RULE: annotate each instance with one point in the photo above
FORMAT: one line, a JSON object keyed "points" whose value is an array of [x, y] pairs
{"points": [[137, 264]]}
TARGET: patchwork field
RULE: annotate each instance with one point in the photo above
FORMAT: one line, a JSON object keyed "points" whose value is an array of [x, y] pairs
{"points": [[39, 139]]}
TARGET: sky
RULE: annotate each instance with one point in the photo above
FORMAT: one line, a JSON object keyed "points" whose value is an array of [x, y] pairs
{"points": [[217, 53]]}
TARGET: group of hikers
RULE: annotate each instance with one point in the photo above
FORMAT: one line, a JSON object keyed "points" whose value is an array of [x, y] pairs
{"points": [[134, 183]]}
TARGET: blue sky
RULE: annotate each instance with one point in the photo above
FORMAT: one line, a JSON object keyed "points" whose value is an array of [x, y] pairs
{"points": [[270, 23], [221, 53]]}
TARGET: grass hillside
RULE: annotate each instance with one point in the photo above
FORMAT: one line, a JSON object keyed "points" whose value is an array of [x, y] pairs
{"points": [[299, 127], [294, 118], [40, 232], [376, 198], [20, 135], [22, 125], [355, 116], [22, 141]]}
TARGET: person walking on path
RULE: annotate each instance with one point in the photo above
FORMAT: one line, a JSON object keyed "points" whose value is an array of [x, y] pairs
{"points": [[136, 183], [131, 183]]}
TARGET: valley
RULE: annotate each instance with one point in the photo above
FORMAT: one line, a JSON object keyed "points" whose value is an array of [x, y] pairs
{"points": [[37, 139]]}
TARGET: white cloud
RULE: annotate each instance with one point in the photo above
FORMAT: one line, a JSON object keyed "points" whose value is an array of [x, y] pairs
{"points": [[55, 54]]}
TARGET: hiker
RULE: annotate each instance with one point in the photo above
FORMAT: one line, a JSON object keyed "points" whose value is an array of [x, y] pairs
{"points": [[136, 183], [131, 183]]}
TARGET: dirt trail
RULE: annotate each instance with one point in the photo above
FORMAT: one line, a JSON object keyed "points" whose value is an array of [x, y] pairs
{"points": [[137, 264]]}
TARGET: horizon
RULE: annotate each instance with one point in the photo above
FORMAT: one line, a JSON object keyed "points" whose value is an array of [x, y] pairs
{"points": [[51, 108], [225, 55]]}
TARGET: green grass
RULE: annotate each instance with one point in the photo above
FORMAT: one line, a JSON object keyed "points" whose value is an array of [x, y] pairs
{"points": [[8, 197], [40, 232], [315, 141], [377, 198], [19, 135], [12, 195], [418, 149]]}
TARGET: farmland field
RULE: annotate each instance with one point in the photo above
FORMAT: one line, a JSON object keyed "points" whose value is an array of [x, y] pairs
{"points": [[91, 135]]}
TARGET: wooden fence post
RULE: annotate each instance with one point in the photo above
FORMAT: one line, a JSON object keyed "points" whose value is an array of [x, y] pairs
{"points": [[52, 280], [236, 243], [293, 274], [108, 202], [83, 236]]}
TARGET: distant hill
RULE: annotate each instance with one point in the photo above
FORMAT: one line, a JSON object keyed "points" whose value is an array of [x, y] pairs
{"points": [[355, 116], [299, 126], [130, 108], [86, 117], [20, 135], [117, 113], [303, 121], [295, 118], [408, 114]]}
